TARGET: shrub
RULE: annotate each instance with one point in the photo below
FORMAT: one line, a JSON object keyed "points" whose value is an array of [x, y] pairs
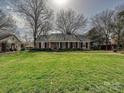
{"points": [[54, 50], [38, 49], [23, 49], [115, 50]]}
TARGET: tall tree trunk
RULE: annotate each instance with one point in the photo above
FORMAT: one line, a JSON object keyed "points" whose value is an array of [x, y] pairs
{"points": [[35, 45], [106, 42], [35, 32], [118, 42]]}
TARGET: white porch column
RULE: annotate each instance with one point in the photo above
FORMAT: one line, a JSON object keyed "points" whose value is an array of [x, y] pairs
{"points": [[49, 44], [88, 45], [69, 45], [63, 45], [73, 44], [78, 44], [43, 44], [59, 45]]}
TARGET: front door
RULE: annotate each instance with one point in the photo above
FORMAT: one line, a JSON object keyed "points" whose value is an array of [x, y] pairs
{"points": [[13, 47], [55, 45], [3, 47]]}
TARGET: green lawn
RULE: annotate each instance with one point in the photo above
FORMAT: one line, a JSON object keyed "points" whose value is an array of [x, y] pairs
{"points": [[67, 72]]}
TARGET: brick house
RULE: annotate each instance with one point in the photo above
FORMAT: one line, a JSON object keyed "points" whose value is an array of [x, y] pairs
{"points": [[60, 41]]}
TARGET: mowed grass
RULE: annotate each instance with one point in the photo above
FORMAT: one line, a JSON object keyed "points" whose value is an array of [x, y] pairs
{"points": [[63, 72]]}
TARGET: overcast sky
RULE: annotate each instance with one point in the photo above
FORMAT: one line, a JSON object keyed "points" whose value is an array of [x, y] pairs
{"points": [[87, 7], [90, 7]]}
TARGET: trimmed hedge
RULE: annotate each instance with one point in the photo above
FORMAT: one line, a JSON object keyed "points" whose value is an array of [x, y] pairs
{"points": [[53, 50]]}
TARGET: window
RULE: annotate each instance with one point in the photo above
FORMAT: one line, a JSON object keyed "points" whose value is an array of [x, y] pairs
{"points": [[81, 45], [61, 45], [66, 44], [13, 38], [39, 45], [76, 45], [45, 45], [71, 45], [86, 45]]}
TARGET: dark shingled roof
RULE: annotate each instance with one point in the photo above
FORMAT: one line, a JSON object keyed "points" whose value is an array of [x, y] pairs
{"points": [[61, 38], [5, 34]]}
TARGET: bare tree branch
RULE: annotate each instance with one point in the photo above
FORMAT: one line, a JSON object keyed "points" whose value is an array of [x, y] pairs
{"points": [[6, 22], [69, 22], [38, 15], [103, 24], [118, 28]]}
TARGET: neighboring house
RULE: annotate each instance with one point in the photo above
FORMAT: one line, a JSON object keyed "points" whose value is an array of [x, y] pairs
{"points": [[98, 41], [9, 42], [60, 41]]}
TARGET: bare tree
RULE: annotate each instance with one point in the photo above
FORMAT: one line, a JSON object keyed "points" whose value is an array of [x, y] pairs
{"points": [[69, 22], [118, 28], [38, 16], [103, 24], [6, 22]]}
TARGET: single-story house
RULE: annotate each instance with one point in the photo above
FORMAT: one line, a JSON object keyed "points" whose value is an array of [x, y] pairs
{"points": [[60, 41], [9, 42]]}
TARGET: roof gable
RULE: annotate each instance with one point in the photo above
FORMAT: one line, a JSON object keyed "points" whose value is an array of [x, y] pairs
{"points": [[6, 34]]}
